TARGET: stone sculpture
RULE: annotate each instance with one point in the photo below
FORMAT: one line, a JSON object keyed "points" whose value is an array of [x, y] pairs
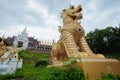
{"points": [[9, 60], [72, 43], [73, 49], [2, 47]]}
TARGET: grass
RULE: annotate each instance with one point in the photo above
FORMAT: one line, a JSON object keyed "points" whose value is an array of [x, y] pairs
{"points": [[34, 68], [28, 71], [110, 76]]}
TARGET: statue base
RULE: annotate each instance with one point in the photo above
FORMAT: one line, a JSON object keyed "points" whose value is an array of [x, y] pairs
{"points": [[94, 68]]}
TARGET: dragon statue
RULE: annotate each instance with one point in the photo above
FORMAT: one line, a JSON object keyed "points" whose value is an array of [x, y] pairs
{"points": [[2, 46], [72, 42]]}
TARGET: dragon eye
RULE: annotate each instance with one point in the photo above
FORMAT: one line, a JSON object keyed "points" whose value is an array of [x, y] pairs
{"points": [[79, 30], [0, 39]]}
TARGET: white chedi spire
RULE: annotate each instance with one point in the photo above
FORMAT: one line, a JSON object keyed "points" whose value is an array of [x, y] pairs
{"points": [[23, 37], [25, 30]]}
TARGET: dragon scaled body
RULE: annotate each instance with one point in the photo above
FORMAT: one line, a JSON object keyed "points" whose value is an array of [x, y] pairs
{"points": [[72, 42]]}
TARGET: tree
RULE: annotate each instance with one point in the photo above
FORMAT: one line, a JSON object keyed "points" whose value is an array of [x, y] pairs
{"points": [[105, 40]]}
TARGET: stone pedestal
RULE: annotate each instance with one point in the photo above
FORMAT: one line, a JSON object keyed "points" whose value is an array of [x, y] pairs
{"points": [[94, 68]]}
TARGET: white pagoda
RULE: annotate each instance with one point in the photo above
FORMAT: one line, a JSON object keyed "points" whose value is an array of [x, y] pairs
{"points": [[22, 40]]}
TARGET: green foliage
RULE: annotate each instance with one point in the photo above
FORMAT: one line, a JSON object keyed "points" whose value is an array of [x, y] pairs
{"points": [[34, 68], [27, 54], [64, 74], [8, 76], [105, 40], [69, 61], [110, 76], [113, 55], [42, 63], [28, 71]]}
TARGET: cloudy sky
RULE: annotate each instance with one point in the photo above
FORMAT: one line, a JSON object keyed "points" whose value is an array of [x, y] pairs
{"points": [[42, 17]]}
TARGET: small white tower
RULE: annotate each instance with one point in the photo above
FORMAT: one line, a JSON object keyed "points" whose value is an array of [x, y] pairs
{"points": [[20, 62], [13, 64]]}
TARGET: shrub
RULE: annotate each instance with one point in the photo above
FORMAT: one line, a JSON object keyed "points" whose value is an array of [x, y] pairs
{"points": [[65, 74], [42, 63], [110, 76]]}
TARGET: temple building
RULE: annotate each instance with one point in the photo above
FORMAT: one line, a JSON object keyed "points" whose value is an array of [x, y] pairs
{"points": [[29, 43], [44, 47]]}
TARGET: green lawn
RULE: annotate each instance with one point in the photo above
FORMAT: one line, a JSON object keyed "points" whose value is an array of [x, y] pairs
{"points": [[29, 70], [34, 68]]}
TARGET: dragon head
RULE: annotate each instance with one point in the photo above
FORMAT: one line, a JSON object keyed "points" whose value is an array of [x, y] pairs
{"points": [[72, 12]]}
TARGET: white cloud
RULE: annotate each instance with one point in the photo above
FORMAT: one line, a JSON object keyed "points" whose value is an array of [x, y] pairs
{"points": [[49, 31], [97, 14], [42, 18], [38, 32], [42, 33], [49, 19], [13, 30], [28, 17]]}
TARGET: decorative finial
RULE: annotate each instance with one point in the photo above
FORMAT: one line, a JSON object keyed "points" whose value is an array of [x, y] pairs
{"points": [[71, 7]]}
